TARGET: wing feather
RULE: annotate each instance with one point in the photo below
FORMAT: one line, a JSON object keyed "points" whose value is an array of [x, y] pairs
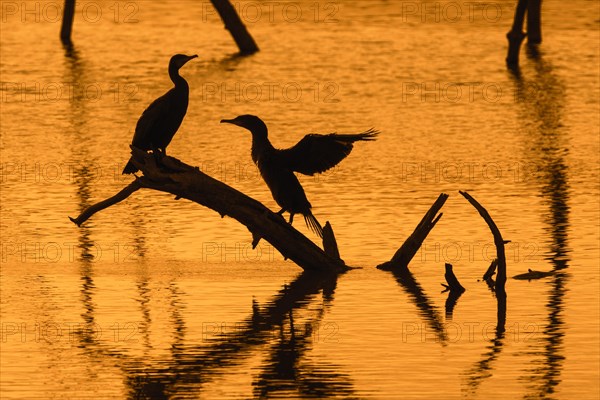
{"points": [[150, 121], [317, 153]]}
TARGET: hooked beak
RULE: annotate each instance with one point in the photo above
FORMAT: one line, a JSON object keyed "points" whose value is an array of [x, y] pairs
{"points": [[229, 121], [189, 58]]}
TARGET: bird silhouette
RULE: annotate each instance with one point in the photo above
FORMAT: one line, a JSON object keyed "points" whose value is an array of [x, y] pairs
{"points": [[161, 120], [313, 154]]}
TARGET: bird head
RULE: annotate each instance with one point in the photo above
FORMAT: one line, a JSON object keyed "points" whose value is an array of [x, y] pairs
{"points": [[250, 122], [179, 60]]}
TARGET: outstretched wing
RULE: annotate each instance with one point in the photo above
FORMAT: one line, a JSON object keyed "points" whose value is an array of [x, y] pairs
{"points": [[317, 153]]}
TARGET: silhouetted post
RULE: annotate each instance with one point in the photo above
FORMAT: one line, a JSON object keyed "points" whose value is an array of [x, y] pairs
{"points": [[235, 26], [452, 280], [534, 24], [516, 34], [67, 22], [498, 241], [409, 248], [491, 270], [454, 287], [330, 246]]}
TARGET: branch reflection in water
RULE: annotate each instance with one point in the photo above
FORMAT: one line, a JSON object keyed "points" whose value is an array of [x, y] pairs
{"points": [[269, 330], [542, 97], [428, 311], [542, 107]]}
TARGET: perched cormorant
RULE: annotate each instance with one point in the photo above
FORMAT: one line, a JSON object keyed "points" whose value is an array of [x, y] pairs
{"points": [[160, 121], [313, 154]]}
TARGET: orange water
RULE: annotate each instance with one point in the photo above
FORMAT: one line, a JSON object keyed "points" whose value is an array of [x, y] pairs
{"points": [[154, 297]]}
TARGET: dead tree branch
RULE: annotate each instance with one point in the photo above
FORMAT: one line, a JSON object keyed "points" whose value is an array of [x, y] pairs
{"points": [[329, 243], [534, 22], [454, 289], [533, 9], [491, 271], [117, 198], [498, 241], [410, 247], [67, 22], [516, 35], [453, 283], [234, 24], [187, 182], [501, 260]]}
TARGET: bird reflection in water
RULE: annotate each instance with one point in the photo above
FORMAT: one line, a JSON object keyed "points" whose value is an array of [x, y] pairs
{"points": [[286, 373]]}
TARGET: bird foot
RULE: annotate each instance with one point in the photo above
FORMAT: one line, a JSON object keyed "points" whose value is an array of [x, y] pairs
{"points": [[280, 214], [169, 164]]}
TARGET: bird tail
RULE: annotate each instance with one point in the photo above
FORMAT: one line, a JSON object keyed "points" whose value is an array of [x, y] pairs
{"points": [[130, 168], [313, 224]]}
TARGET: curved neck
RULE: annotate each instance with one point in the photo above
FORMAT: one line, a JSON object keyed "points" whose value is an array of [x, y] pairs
{"points": [[260, 143], [176, 78], [260, 133]]}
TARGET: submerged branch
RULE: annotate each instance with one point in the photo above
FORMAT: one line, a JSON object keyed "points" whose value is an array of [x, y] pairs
{"points": [[516, 35], [488, 277], [491, 271], [398, 265], [498, 241], [329, 243], [235, 26], [409, 248], [453, 283], [501, 260], [454, 288]]}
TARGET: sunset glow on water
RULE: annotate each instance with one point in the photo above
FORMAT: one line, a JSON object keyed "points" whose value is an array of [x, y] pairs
{"points": [[156, 298]]}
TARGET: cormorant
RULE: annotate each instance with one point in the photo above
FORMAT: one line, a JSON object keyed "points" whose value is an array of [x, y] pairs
{"points": [[160, 121], [313, 154]]}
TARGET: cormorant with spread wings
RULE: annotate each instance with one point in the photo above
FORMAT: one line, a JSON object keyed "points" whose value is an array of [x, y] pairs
{"points": [[313, 154]]}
